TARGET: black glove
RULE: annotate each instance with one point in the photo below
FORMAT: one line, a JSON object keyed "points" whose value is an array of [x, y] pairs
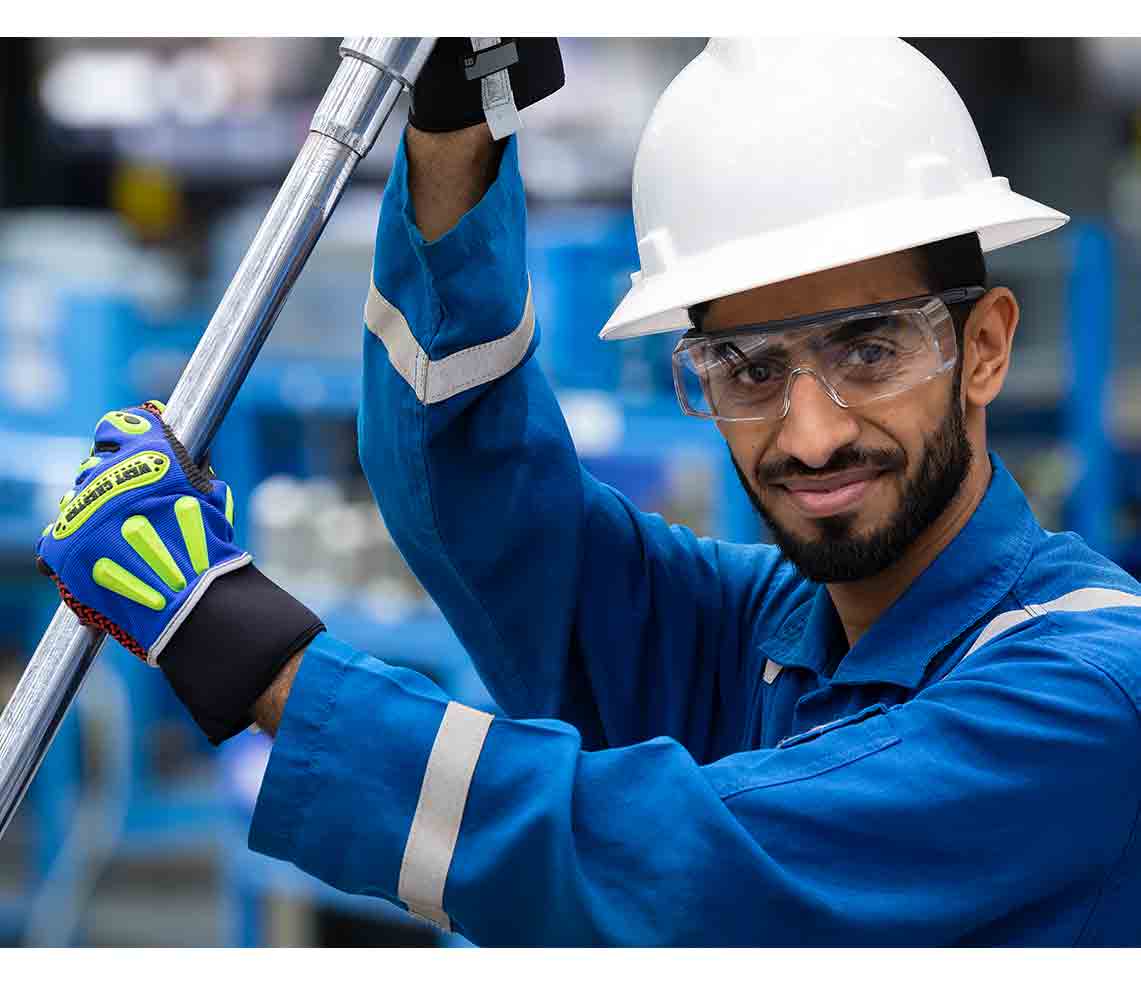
{"points": [[231, 648], [448, 96]]}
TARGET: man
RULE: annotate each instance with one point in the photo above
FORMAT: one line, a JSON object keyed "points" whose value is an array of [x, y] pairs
{"points": [[914, 722]]}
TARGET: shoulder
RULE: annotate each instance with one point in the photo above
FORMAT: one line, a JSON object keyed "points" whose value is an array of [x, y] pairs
{"points": [[764, 587], [1079, 606]]}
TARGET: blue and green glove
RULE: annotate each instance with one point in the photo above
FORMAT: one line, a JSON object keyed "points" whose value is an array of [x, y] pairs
{"points": [[143, 550]]}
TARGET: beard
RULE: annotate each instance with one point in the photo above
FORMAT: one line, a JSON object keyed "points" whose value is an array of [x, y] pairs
{"points": [[841, 556]]}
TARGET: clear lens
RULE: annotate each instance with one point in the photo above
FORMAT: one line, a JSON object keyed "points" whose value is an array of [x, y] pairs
{"points": [[862, 356]]}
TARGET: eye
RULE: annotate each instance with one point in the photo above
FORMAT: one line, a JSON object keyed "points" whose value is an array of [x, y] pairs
{"points": [[753, 374], [742, 371], [866, 353]]}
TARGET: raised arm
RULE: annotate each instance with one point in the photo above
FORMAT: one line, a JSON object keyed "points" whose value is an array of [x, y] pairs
{"points": [[571, 602]]}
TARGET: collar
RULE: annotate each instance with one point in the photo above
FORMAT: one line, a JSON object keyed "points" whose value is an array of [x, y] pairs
{"points": [[960, 587]]}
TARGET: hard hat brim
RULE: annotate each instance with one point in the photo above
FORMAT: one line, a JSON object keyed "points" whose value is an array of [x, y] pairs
{"points": [[659, 303]]}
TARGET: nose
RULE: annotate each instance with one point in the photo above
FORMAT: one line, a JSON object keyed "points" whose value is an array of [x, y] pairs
{"points": [[814, 425]]}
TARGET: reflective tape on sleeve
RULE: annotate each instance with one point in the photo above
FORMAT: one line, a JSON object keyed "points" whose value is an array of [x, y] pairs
{"points": [[438, 380], [1086, 599], [440, 810]]}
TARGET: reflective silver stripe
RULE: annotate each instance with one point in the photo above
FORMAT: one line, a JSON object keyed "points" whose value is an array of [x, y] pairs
{"points": [[436, 380], [1086, 599], [387, 324], [772, 670], [440, 810]]}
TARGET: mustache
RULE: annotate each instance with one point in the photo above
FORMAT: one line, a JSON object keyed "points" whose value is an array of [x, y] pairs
{"points": [[847, 458]]}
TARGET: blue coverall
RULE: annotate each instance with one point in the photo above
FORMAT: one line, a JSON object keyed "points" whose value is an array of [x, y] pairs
{"points": [[691, 755]]}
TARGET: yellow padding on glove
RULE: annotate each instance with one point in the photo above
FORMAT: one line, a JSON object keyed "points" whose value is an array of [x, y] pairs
{"points": [[142, 537], [111, 576], [189, 514]]}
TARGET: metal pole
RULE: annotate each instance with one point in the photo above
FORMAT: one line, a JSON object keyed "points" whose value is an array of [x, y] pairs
{"points": [[372, 73]]}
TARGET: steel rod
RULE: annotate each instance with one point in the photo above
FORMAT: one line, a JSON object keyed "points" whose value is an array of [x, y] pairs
{"points": [[358, 101]]}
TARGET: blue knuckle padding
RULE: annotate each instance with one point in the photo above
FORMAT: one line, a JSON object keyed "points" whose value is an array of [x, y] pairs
{"points": [[73, 557]]}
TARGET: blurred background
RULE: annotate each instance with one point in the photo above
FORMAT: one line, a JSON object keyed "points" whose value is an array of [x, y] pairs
{"points": [[133, 174]]}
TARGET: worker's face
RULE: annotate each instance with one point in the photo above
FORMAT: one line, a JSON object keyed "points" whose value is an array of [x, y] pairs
{"points": [[846, 491]]}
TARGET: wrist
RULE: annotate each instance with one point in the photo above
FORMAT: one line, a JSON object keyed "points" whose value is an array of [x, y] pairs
{"points": [[270, 705], [232, 647], [466, 81], [448, 174]]}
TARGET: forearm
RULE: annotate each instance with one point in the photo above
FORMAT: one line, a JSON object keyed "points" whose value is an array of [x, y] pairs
{"points": [[451, 460], [271, 704], [854, 832], [448, 174], [452, 156], [470, 484]]}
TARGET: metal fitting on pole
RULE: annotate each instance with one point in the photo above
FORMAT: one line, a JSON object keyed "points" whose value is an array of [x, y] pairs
{"points": [[372, 74]]}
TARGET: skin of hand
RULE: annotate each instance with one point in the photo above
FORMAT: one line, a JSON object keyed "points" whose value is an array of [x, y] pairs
{"points": [[448, 174], [271, 704]]}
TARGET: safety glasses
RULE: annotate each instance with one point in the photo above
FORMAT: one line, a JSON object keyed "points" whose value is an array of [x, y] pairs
{"points": [[857, 355]]}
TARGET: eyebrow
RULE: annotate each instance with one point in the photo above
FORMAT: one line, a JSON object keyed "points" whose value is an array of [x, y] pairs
{"points": [[779, 352], [792, 322], [857, 327], [841, 334]]}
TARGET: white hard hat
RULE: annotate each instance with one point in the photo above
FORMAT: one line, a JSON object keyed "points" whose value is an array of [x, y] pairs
{"points": [[771, 158]]}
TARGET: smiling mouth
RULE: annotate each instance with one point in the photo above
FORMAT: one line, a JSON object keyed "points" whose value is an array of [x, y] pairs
{"points": [[819, 497]]}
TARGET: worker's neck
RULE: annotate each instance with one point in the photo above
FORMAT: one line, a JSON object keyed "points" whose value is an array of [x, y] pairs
{"points": [[860, 603]]}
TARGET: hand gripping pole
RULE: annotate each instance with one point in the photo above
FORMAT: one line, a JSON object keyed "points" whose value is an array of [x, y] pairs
{"points": [[371, 76]]}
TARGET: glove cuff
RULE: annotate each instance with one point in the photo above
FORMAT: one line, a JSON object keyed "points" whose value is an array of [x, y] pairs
{"points": [[205, 582], [231, 647], [444, 98]]}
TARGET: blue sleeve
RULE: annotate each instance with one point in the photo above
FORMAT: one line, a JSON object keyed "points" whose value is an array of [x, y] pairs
{"points": [[934, 822], [555, 584]]}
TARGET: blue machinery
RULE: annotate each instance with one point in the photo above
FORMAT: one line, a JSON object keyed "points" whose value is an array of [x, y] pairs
{"points": [[1093, 505], [95, 351]]}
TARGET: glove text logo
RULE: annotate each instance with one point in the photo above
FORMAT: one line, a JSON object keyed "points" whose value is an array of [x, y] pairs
{"points": [[136, 471]]}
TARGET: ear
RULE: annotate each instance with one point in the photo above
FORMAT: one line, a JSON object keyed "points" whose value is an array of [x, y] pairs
{"points": [[987, 340]]}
